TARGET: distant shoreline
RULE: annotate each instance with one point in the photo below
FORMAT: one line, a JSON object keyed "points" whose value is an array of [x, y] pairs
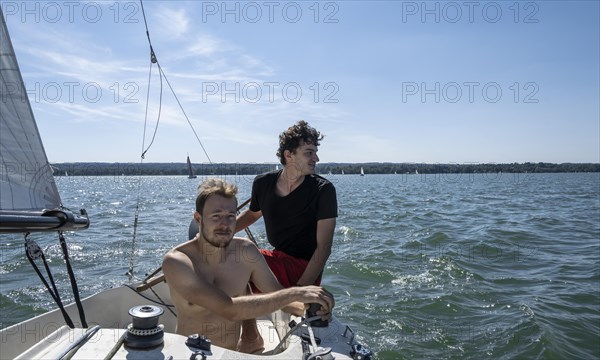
{"points": [[101, 168]]}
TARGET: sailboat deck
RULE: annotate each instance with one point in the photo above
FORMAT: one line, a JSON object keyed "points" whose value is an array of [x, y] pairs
{"points": [[105, 343]]}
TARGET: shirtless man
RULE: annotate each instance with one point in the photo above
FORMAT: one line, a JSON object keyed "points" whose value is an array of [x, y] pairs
{"points": [[208, 275]]}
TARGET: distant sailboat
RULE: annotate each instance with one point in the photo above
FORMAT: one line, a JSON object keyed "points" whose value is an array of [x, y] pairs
{"points": [[362, 172], [342, 172], [191, 174]]}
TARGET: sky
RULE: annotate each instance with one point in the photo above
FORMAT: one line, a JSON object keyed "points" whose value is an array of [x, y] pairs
{"points": [[465, 82]]}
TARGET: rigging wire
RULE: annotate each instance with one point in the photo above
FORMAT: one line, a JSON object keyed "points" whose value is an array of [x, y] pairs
{"points": [[154, 60], [160, 96], [162, 75], [139, 182], [184, 114]]}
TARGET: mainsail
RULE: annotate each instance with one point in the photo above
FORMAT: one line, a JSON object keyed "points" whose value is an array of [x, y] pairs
{"points": [[29, 199]]}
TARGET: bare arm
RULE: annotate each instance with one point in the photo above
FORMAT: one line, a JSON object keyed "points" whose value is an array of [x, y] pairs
{"points": [[252, 306], [180, 275], [325, 229], [247, 218]]}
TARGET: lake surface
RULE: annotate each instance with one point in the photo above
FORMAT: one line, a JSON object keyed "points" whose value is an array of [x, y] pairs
{"points": [[475, 266]]}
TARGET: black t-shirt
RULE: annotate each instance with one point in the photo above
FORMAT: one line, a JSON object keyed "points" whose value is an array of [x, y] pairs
{"points": [[291, 221]]}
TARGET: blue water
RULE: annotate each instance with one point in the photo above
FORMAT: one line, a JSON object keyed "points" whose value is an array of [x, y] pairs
{"points": [[473, 266]]}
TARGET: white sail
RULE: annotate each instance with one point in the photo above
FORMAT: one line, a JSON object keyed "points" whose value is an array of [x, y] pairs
{"points": [[26, 181], [27, 185]]}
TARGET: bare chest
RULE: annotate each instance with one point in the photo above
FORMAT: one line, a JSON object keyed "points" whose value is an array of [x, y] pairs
{"points": [[230, 277]]}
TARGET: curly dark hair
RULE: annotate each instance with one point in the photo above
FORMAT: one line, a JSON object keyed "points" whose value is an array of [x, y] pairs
{"points": [[291, 138]]}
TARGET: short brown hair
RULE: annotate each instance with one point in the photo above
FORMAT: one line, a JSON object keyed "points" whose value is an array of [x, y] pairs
{"points": [[213, 186], [291, 138]]}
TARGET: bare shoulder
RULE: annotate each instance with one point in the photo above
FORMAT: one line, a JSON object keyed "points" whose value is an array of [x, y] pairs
{"points": [[242, 241], [178, 254], [245, 251], [244, 244]]}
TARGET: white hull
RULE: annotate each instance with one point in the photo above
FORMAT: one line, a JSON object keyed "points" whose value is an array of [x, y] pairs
{"points": [[47, 337]]}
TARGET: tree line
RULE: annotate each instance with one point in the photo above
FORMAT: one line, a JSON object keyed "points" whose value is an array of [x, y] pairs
{"points": [[129, 169]]}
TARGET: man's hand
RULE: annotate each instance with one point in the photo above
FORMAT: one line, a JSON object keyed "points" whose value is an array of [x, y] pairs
{"points": [[316, 294]]}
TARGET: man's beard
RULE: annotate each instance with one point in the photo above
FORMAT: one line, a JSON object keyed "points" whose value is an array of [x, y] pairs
{"points": [[210, 240]]}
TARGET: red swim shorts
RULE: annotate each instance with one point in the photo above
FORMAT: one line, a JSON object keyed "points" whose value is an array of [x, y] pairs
{"points": [[287, 269]]}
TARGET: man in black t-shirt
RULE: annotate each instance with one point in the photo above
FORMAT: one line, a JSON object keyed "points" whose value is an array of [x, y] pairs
{"points": [[299, 209]]}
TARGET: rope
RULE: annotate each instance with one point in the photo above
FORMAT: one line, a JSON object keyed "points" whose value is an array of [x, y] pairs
{"points": [[281, 344], [74, 347], [312, 337], [63, 245], [159, 302], [33, 251], [116, 347]]}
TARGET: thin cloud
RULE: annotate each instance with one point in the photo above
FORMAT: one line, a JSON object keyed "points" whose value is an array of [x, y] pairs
{"points": [[78, 58], [206, 45], [173, 22], [92, 113]]}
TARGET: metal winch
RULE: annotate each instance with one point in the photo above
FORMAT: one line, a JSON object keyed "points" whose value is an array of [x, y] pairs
{"points": [[144, 331]]}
